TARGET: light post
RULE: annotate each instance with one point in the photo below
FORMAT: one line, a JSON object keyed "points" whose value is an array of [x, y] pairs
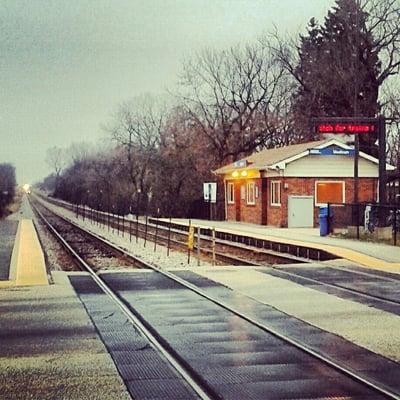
{"points": [[137, 213], [99, 208]]}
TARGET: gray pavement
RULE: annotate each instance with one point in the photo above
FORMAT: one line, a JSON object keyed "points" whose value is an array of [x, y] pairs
{"points": [[378, 250], [8, 230], [50, 348]]}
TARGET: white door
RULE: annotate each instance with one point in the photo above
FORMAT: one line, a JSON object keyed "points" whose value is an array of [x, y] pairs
{"points": [[301, 212]]}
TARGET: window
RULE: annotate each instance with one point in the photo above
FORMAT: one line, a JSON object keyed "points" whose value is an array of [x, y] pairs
{"points": [[275, 193], [329, 192], [251, 193], [230, 193]]}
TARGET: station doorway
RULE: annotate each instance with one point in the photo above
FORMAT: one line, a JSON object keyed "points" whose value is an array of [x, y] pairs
{"points": [[301, 211]]}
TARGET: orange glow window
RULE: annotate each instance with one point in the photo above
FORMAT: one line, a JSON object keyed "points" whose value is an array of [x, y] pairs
{"points": [[329, 192]]}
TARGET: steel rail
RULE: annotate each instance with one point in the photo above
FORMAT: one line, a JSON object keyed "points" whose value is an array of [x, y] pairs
{"points": [[237, 260], [205, 238], [114, 247], [369, 273], [375, 386], [334, 286], [203, 393]]}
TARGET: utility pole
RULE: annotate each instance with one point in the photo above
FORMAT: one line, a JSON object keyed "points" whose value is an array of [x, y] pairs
{"points": [[382, 159], [355, 102]]}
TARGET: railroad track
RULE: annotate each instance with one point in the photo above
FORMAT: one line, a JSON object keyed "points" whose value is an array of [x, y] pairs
{"points": [[363, 285], [253, 253], [197, 378], [249, 251]]}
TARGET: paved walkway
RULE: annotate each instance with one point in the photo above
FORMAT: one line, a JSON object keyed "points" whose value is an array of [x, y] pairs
{"points": [[50, 348], [376, 251], [22, 261], [8, 232]]}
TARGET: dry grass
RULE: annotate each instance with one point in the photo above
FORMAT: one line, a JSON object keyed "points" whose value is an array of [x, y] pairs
{"points": [[16, 204]]}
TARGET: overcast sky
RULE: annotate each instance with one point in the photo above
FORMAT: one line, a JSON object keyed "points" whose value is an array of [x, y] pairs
{"points": [[65, 65]]}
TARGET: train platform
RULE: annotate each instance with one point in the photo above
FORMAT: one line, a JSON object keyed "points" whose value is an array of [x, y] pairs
{"points": [[22, 261], [372, 255], [50, 348]]}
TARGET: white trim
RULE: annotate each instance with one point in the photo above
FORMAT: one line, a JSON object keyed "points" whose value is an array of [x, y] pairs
{"points": [[248, 184], [389, 167], [271, 192], [282, 164], [232, 200], [329, 181]]}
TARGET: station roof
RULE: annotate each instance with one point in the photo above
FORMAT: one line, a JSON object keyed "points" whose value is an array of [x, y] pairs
{"points": [[277, 158]]}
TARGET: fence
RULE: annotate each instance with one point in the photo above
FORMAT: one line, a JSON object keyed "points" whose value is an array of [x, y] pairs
{"points": [[365, 220], [201, 209]]}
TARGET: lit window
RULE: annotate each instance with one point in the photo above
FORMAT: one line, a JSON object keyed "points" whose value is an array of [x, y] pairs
{"points": [[242, 192], [329, 192], [251, 193], [275, 193], [230, 193]]}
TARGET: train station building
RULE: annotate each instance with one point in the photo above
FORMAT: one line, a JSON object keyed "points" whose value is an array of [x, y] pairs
{"points": [[284, 187]]}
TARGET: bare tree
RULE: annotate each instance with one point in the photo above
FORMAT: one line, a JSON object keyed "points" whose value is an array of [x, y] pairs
{"points": [[55, 159], [233, 96], [383, 25], [391, 108], [137, 128], [7, 186], [78, 151]]}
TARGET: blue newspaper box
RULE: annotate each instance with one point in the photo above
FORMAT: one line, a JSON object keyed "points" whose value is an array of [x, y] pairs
{"points": [[323, 221]]}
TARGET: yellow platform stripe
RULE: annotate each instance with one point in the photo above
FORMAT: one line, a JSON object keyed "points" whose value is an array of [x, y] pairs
{"points": [[27, 265]]}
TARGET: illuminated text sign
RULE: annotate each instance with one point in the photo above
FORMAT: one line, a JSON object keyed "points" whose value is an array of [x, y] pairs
{"points": [[346, 128]]}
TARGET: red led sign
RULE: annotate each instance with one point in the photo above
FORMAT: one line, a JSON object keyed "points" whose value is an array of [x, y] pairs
{"points": [[348, 128]]}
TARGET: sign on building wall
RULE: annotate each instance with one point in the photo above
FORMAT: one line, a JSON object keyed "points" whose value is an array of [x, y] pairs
{"points": [[332, 151], [210, 192], [240, 163]]}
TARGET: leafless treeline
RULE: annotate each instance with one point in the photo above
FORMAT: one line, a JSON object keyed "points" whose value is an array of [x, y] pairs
{"points": [[7, 186], [228, 103]]}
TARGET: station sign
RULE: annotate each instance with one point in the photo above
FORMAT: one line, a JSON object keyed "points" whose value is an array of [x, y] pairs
{"points": [[240, 164], [332, 151]]}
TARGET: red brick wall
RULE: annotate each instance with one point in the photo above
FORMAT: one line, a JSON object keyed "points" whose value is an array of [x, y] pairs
{"points": [[251, 213], [278, 216], [306, 186]]}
